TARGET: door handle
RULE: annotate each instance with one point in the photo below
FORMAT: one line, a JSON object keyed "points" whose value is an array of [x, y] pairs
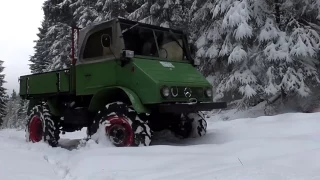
{"points": [[87, 75]]}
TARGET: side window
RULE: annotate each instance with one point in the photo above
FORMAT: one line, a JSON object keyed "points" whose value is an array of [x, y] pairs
{"points": [[98, 44]]}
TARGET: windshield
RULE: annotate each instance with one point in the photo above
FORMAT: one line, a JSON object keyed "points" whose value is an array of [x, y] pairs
{"points": [[152, 42]]}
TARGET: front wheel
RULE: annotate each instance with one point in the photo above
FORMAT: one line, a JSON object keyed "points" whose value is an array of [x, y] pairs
{"points": [[199, 125], [121, 126]]}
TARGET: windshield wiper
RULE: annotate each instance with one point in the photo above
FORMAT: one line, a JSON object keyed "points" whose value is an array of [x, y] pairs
{"points": [[125, 30]]}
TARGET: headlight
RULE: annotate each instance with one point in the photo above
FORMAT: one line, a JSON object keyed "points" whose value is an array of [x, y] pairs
{"points": [[208, 92], [165, 92]]}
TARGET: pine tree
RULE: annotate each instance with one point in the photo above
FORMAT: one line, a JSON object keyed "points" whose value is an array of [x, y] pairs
{"points": [[22, 110], [84, 12], [39, 59], [10, 117], [253, 56], [22, 113], [142, 11], [109, 9], [293, 48], [14, 95], [16, 112], [175, 14], [168, 13], [3, 99], [58, 11], [59, 53], [53, 48]]}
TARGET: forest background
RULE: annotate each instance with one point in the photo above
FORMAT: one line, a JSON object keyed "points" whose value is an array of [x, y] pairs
{"points": [[253, 52]]}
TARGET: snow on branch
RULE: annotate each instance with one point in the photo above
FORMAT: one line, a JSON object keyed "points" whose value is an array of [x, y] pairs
{"points": [[237, 55], [237, 14]]}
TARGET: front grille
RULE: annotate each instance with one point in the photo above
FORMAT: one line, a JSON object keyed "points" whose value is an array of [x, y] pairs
{"points": [[182, 92]]}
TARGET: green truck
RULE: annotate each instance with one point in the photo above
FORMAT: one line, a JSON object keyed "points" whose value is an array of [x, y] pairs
{"points": [[127, 80]]}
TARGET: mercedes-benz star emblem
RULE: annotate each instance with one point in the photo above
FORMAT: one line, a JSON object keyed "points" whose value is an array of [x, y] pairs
{"points": [[187, 92]]}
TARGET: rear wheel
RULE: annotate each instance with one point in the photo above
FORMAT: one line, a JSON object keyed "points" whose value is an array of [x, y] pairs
{"points": [[121, 125], [190, 125], [41, 126]]}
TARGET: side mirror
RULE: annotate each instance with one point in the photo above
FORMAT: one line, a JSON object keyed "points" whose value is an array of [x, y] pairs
{"points": [[126, 56], [106, 40]]}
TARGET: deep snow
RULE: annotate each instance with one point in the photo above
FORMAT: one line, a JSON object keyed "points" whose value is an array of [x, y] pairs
{"points": [[279, 148]]}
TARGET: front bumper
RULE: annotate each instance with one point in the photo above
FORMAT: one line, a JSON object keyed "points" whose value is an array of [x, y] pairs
{"points": [[189, 108]]}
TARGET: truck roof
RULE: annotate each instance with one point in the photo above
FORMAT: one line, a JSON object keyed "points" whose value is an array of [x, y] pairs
{"points": [[96, 26], [148, 25], [126, 21]]}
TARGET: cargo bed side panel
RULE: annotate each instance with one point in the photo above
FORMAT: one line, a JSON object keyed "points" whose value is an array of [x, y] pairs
{"points": [[46, 83], [23, 86]]}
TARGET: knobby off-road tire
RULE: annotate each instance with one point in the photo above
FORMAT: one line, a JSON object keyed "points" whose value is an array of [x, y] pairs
{"points": [[191, 125], [122, 126], [41, 126]]}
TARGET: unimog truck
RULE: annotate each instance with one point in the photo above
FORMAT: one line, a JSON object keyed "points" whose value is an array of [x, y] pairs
{"points": [[127, 80]]}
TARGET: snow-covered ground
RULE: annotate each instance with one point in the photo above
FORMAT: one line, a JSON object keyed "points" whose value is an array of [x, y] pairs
{"points": [[280, 147]]}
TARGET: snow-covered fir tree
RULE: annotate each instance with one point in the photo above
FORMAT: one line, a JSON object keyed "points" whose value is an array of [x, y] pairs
{"points": [[39, 59], [250, 55], [84, 12], [58, 11], [108, 9], [53, 48], [166, 13], [22, 112], [16, 112], [60, 50], [3, 95], [11, 108], [87, 12]]}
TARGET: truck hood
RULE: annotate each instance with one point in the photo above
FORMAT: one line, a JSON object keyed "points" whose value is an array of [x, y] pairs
{"points": [[171, 72]]}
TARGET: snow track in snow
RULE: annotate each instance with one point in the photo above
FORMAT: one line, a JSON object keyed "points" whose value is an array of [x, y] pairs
{"points": [[61, 170], [279, 147]]}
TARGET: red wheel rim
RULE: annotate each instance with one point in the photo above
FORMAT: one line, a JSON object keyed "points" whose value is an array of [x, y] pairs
{"points": [[35, 129], [120, 132]]}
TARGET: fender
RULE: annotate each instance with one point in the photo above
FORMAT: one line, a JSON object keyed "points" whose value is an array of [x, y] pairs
{"points": [[103, 96]]}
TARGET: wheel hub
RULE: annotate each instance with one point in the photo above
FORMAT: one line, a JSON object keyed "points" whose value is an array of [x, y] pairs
{"points": [[120, 132], [118, 135], [35, 129]]}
